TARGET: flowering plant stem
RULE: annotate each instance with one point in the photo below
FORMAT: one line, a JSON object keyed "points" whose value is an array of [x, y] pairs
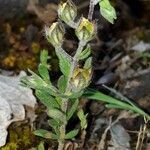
{"points": [[65, 101], [75, 76], [64, 105]]}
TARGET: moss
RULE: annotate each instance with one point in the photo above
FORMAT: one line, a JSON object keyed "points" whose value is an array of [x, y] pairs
{"points": [[10, 146], [20, 138]]}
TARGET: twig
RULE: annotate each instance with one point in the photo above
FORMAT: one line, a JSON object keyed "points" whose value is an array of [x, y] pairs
{"points": [[124, 114], [141, 137], [102, 143]]}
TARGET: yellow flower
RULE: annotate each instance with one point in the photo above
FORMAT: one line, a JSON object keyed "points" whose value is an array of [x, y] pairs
{"points": [[80, 79], [86, 30]]}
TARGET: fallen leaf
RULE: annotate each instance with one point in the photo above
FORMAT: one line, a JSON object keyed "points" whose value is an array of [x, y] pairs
{"points": [[119, 138]]}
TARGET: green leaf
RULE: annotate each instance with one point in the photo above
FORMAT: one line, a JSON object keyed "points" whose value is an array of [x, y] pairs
{"points": [[33, 81], [56, 114], [82, 118], [85, 53], [65, 61], [72, 109], [62, 83], [71, 134], [119, 95], [59, 100], [41, 146], [43, 66], [74, 95], [115, 106], [45, 134], [88, 63], [44, 57], [96, 95], [36, 82], [46, 99], [112, 102], [44, 73], [53, 123], [107, 11]]}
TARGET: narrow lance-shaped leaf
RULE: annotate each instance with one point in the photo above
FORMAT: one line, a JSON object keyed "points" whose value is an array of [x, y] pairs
{"points": [[45, 134], [85, 53], [71, 134], [116, 106], [88, 63], [55, 125], [107, 11], [82, 118], [73, 95], [43, 66], [44, 57], [93, 94], [119, 95], [46, 99], [112, 102], [34, 81], [72, 109], [41, 146], [65, 61], [56, 114], [62, 83]]}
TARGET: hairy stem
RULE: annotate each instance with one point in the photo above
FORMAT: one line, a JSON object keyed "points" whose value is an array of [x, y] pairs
{"points": [[60, 145], [79, 50], [91, 10], [74, 63], [65, 101]]}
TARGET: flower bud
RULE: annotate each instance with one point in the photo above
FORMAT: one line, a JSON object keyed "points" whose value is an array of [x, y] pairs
{"points": [[67, 11], [85, 30], [80, 79], [55, 34]]}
